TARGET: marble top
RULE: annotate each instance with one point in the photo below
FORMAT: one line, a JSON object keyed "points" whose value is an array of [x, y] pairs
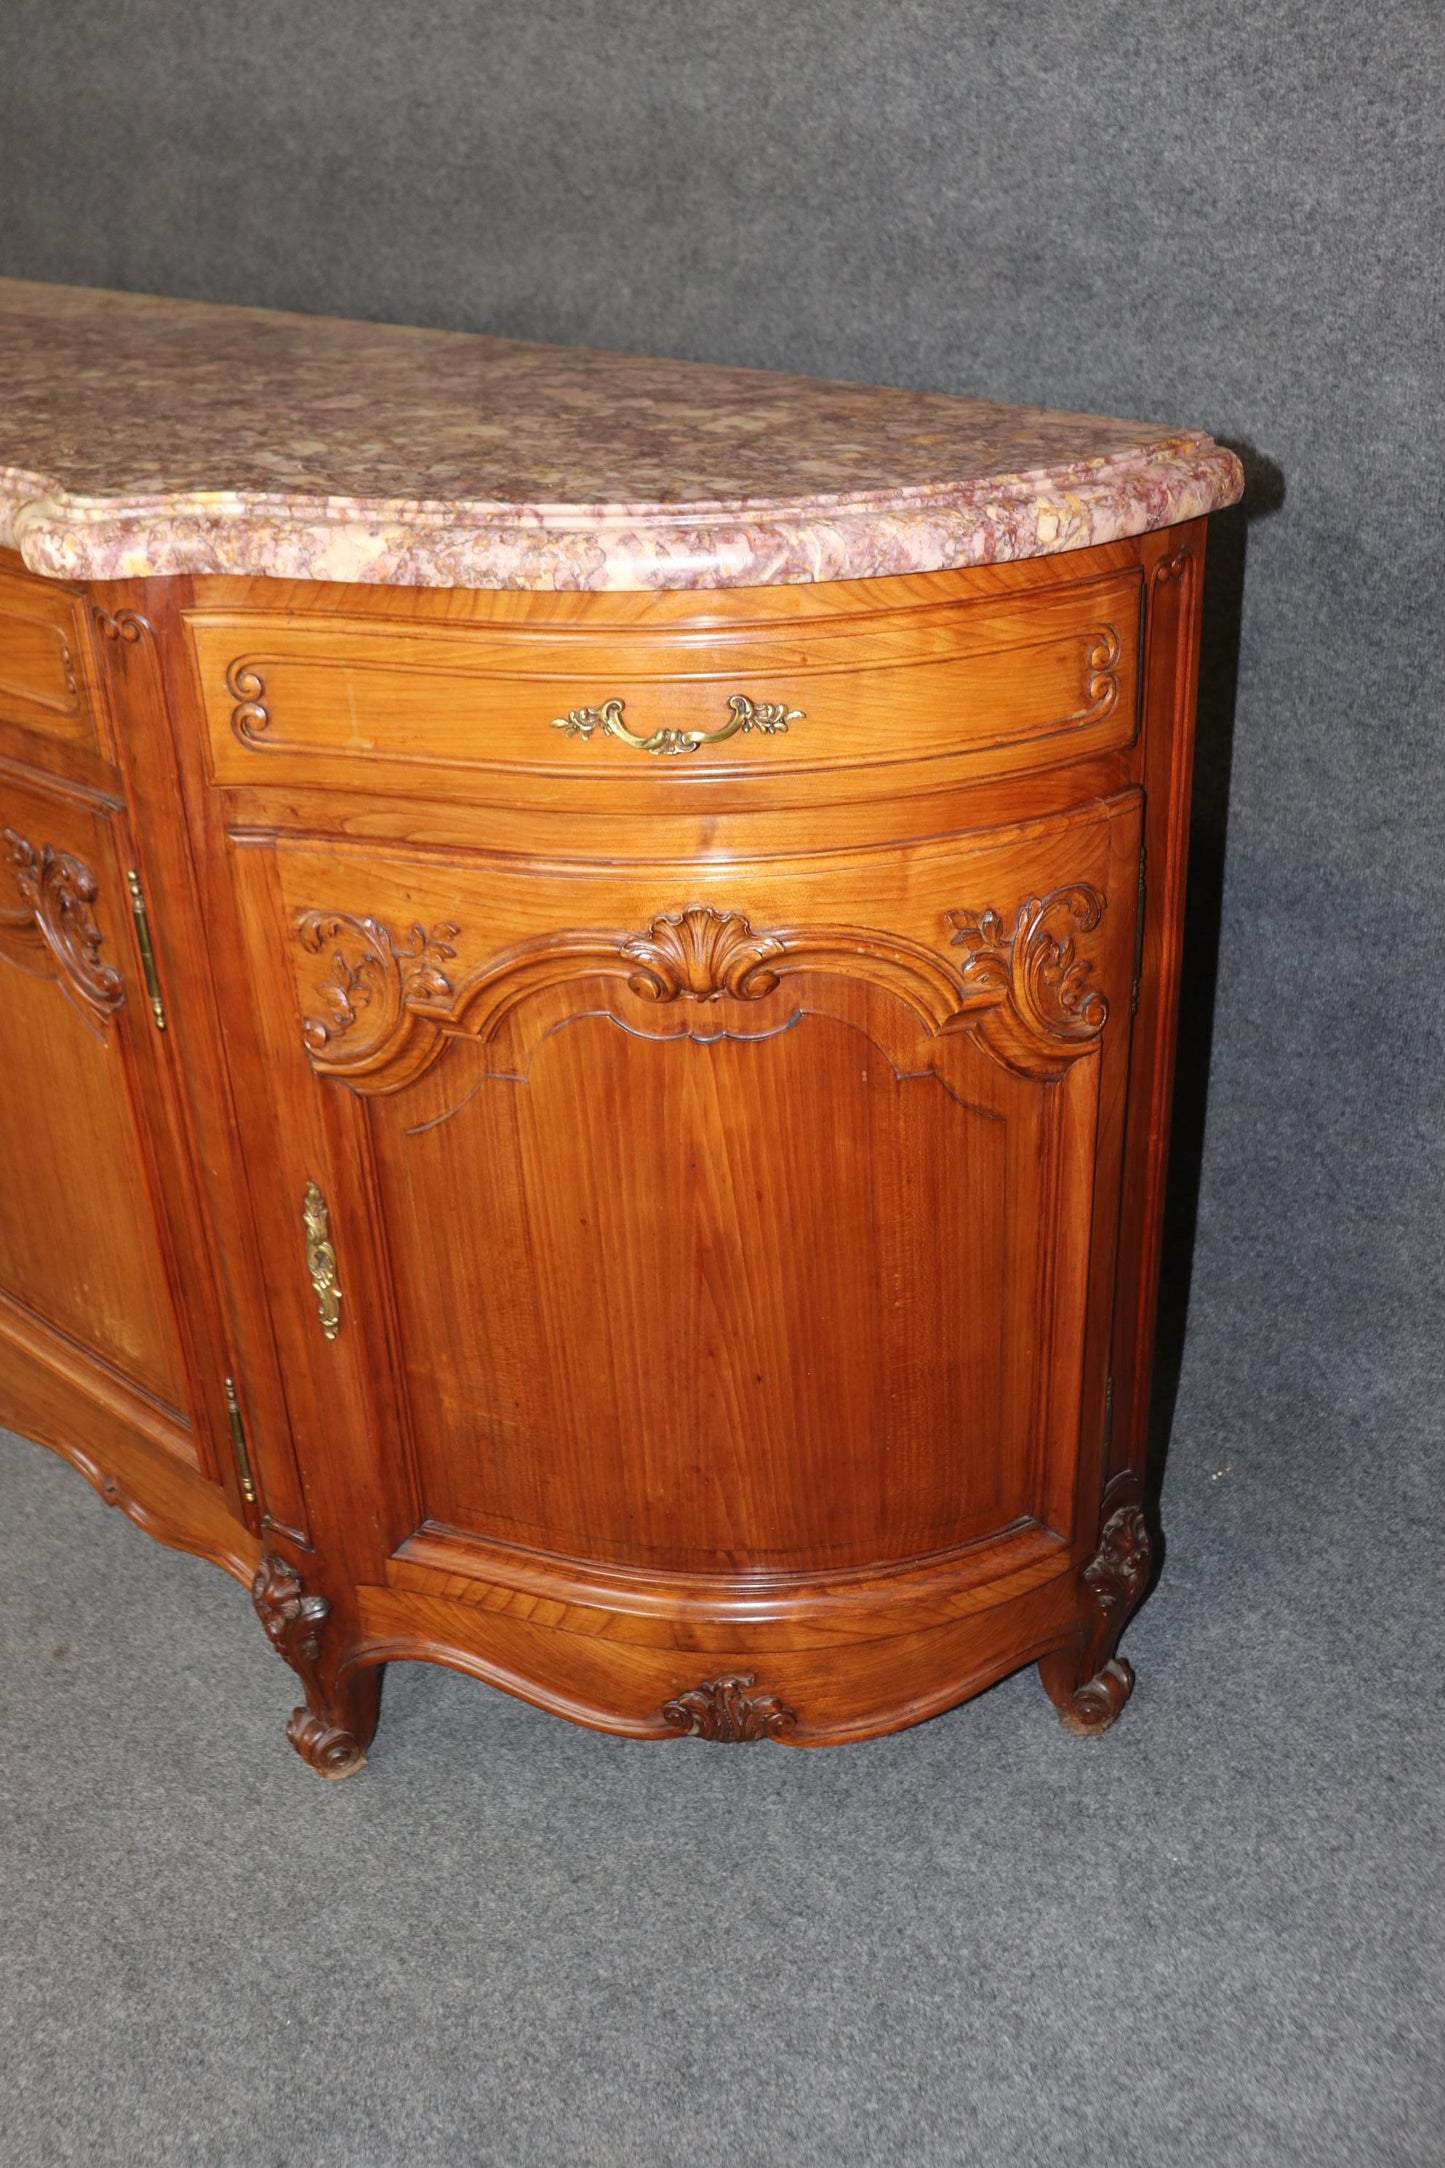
{"points": [[144, 436]]}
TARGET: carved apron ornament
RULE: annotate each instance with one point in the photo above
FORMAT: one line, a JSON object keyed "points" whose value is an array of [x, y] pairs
{"points": [[727, 1710]]}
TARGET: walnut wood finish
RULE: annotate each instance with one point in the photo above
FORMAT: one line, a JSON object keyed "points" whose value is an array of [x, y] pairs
{"points": [[649, 1188]]}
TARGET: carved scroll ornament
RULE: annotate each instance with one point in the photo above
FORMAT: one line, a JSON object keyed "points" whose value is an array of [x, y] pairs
{"points": [[1102, 682], [250, 717], [1035, 963], [727, 1710], [381, 1005], [56, 892], [372, 971], [127, 626]]}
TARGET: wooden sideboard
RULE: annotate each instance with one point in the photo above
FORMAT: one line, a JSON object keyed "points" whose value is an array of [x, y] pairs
{"points": [[610, 1136]]}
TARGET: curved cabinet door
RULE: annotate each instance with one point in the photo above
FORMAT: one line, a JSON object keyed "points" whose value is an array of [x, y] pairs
{"points": [[694, 1258], [88, 1276]]}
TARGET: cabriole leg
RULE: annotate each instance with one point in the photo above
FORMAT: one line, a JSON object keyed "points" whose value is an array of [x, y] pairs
{"points": [[333, 1729], [1087, 1682]]}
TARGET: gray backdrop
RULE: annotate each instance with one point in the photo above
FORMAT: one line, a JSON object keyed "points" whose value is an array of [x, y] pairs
{"points": [[1218, 1935]]}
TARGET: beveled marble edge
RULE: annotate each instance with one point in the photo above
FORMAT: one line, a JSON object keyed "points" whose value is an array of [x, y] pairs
{"points": [[420, 543]]}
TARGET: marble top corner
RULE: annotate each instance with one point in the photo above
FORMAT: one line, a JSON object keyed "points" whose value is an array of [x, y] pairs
{"points": [[141, 436]]}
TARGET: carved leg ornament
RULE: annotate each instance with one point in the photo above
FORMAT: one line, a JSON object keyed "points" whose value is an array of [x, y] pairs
{"points": [[1089, 1685], [332, 1731]]}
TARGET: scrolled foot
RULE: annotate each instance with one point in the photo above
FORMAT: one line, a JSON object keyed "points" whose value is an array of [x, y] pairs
{"points": [[333, 1729], [324, 1747], [1094, 1706]]}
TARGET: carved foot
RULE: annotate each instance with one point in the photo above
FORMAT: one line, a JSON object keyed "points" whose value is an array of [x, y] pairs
{"points": [[1087, 1683], [327, 1749], [332, 1731], [1092, 1707]]}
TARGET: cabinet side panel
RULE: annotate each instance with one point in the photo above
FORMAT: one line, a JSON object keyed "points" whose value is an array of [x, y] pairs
{"points": [[1174, 570]]}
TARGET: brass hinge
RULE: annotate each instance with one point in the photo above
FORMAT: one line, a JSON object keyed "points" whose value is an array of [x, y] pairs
{"points": [[238, 1443], [147, 948], [1139, 929]]}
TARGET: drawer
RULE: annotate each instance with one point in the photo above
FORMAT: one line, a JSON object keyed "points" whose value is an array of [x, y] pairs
{"points": [[46, 680], [577, 711]]}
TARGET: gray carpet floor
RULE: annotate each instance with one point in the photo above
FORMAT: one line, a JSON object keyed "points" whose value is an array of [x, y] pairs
{"points": [[1215, 1936]]}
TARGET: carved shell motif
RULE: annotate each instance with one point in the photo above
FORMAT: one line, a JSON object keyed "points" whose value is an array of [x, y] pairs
{"points": [[56, 893], [699, 954], [726, 1710], [1035, 964]]}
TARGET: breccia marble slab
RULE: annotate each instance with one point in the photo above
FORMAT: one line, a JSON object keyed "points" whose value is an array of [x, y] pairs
{"points": [[143, 436]]}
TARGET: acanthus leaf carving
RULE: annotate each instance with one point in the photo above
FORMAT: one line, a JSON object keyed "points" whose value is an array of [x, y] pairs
{"points": [[1035, 964], [292, 1619], [727, 1710], [56, 894], [371, 970], [1118, 1572]]}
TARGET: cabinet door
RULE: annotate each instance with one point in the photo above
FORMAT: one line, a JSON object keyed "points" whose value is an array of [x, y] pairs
{"points": [[695, 1224], [86, 1273]]}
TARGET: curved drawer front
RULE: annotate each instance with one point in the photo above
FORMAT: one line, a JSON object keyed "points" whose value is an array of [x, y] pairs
{"points": [[566, 713]]}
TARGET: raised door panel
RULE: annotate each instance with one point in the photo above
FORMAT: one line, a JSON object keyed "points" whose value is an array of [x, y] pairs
{"points": [[81, 1248], [731, 1221], [718, 1300]]}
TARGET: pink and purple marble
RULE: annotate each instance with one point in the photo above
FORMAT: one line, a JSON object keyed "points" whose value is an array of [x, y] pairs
{"points": [[142, 436]]}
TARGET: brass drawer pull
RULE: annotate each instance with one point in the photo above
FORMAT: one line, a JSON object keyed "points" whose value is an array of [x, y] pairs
{"points": [[769, 716], [321, 1260]]}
